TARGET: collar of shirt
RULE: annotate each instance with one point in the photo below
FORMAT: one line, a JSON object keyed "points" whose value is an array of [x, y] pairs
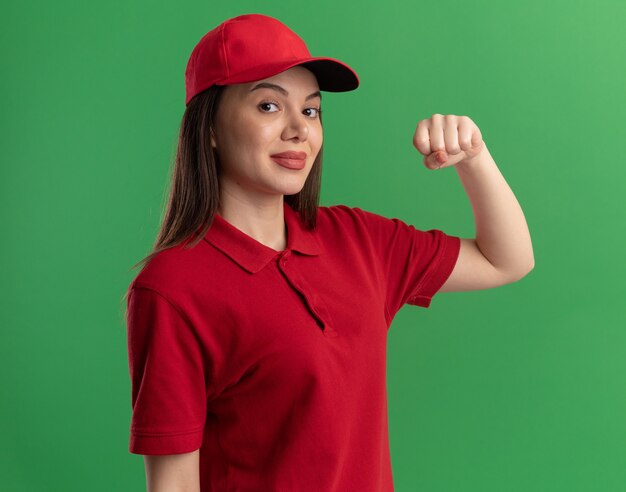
{"points": [[252, 255]]}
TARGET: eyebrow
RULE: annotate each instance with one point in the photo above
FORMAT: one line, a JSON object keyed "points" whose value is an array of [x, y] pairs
{"points": [[267, 85]]}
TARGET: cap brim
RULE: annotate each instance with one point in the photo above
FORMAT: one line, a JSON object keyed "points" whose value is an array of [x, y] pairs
{"points": [[332, 75]]}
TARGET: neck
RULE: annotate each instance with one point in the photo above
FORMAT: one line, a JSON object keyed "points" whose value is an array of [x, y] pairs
{"points": [[265, 222]]}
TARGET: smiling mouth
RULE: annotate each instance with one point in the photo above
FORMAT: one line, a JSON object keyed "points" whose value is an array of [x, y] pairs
{"points": [[296, 164]]}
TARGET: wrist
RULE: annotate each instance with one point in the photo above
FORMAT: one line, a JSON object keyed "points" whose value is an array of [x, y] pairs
{"points": [[478, 160]]}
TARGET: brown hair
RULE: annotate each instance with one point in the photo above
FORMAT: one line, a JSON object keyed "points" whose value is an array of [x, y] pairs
{"points": [[194, 189]]}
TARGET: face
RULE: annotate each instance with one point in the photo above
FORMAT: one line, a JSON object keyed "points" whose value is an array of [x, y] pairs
{"points": [[253, 123]]}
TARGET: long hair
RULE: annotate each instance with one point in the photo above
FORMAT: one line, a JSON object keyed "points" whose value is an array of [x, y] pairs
{"points": [[194, 190]]}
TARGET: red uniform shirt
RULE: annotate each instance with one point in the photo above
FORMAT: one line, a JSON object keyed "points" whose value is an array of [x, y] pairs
{"points": [[273, 363]]}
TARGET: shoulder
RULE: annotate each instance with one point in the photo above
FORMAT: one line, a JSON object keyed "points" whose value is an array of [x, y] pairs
{"points": [[356, 218], [338, 210], [342, 225], [171, 268], [340, 222], [345, 214]]}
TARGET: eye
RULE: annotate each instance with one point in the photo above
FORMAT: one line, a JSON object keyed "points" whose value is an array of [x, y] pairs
{"points": [[267, 103], [318, 111]]}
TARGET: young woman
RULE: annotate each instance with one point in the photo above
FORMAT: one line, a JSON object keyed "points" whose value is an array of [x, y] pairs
{"points": [[257, 326]]}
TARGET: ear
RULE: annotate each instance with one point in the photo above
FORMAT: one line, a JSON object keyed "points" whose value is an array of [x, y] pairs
{"points": [[213, 143]]}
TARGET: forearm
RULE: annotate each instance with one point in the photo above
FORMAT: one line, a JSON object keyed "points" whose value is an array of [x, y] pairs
{"points": [[501, 231]]}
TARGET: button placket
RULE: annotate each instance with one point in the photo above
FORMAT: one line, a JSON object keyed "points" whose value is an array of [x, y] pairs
{"points": [[320, 314], [284, 256]]}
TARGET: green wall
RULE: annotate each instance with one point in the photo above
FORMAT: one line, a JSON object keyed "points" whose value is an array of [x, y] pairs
{"points": [[518, 388]]}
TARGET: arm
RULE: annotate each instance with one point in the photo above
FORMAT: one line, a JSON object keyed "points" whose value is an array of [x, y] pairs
{"points": [[502, 236], [173, 472], [502, 251]]}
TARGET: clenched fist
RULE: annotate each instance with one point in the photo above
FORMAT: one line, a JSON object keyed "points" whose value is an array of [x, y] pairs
{"points": [[447, 140]]}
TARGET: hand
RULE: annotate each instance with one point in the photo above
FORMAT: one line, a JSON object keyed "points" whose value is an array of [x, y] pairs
{"points": [[448, 140]]}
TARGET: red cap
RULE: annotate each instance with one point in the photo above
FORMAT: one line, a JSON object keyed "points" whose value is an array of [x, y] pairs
{"points": [[252, 47]]}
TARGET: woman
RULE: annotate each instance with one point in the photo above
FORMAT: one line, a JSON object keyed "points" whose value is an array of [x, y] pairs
{"points": [[257, 327]]}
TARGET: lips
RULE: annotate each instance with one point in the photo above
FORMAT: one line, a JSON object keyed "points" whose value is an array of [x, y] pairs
{"points": [[290, 160], [291, 155]]}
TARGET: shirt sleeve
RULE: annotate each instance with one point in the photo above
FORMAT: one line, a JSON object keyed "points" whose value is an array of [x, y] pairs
{"points": [[415, 263], [167, 377]]}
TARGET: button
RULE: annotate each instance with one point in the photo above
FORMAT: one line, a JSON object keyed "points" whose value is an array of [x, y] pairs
{"points": [[284, 256]]}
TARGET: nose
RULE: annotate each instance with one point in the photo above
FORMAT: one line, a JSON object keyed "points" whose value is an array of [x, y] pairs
{"points": [[296, 127]]}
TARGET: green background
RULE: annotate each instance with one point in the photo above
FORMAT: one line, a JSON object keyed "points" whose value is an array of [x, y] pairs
{"points": [[518, 388]]}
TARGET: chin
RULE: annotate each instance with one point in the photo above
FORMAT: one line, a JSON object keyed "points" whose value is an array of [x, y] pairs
{"points": [[291, 185], [290, 190]]}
